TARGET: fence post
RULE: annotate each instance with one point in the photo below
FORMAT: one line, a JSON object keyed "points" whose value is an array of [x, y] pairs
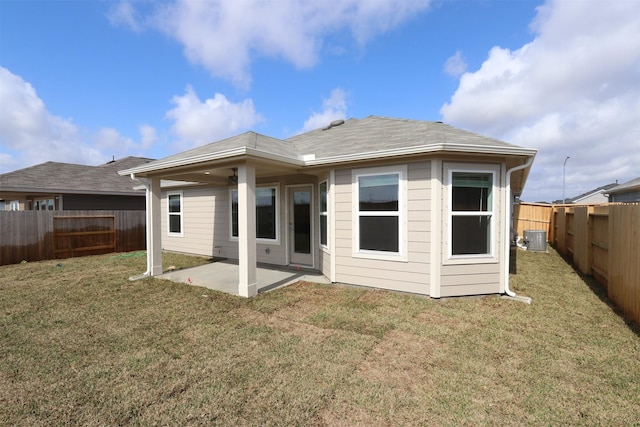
{"points": [[580, 238], [561, 230]]}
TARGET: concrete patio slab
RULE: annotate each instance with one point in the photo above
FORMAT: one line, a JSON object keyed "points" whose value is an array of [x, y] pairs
{"points": [[224, 275]]}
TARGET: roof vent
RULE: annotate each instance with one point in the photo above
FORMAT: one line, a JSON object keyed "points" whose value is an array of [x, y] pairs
{"points": [[334, 124]]}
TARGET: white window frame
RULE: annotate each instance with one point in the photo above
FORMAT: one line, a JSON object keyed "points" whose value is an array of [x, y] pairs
{"points": [[46, 203], [495, 171], [14, 205], [180, 214], [275, 241], [401, 171], [321, 213]]}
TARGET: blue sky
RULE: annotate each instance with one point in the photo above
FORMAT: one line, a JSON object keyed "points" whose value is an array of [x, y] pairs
{"points": [[82, 81]]}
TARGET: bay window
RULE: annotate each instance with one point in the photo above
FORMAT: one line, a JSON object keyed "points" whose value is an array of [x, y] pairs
{"points": [[379, 195], [472, 212]]}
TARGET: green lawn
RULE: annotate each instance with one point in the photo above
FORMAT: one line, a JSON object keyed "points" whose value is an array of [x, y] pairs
{"points": [[82, 345]]}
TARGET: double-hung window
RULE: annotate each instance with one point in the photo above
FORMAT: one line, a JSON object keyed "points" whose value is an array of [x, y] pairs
{"points": [[323, 213], [379, 196], [472, 212], [266, 213], [175, 210]]}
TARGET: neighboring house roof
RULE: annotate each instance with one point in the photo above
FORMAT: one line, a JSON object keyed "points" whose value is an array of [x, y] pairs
{"points": [[370, 138], [54, 177], [590, 194], [633, 185]]}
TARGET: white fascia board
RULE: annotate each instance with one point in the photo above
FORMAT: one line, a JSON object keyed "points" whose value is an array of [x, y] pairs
{"points": [[421, 149], [312, 161], [220, 155], [276, 157], [185, 161]]}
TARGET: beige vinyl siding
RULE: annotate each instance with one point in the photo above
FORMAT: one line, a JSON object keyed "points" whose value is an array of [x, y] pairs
{"points": [[324, 253], [325, 263], [204, 236], [197, 237], [470, 279], [409, 276]]}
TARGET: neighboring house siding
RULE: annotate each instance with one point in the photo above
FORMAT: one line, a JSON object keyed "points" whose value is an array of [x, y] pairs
{"points": [[632, 196], [595, 198], [96, 202], [408, 276]]}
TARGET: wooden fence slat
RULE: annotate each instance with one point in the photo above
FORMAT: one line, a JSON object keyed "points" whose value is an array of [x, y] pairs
{"points": [[29, 235], [600, 240]]}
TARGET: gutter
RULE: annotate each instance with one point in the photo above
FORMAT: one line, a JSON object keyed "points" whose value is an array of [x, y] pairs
{"points": [[507, 231], [422, 149]]}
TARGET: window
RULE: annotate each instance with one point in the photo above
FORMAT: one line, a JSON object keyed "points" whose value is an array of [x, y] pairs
{"points": [[379, 212], [43, 205], [266, 213], [174, 202], [323, 213], [14, 205], [472, 212]]}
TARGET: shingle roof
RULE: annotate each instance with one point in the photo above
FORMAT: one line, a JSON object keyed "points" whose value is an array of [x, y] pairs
{"points": [[71, 178], [376, 133], [634, 184], [355, 139], [600, 190], [253, 140]]}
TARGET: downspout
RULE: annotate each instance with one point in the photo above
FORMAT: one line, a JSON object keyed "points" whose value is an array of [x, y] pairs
{"points": [[507, 231], [147, 190]]}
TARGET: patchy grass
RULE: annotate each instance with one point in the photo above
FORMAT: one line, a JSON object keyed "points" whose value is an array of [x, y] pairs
{"points": [[82, 345]]}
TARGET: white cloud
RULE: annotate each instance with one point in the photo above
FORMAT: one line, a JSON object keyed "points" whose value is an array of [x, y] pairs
{"points": [[199, 122], [123, 13], [333, 108], [223, 36], [573, 91], [30, 134], [148, 136], [456, 65]]}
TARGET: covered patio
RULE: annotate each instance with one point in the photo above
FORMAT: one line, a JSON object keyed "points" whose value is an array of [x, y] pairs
{"points": [[223, 276]]}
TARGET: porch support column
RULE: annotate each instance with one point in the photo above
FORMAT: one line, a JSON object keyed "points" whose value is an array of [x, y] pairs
{"points": [[154, 240], [247, 284]]}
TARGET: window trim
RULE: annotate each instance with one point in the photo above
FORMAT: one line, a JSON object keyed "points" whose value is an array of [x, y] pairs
{"points": [[321, 213], [275, 241], [401, 254], [180, 214], [485, 168], [48, 206]]}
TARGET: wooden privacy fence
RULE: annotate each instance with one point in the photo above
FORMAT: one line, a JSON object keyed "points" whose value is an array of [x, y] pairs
{"points": [[602, 241], [40, 235]]}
